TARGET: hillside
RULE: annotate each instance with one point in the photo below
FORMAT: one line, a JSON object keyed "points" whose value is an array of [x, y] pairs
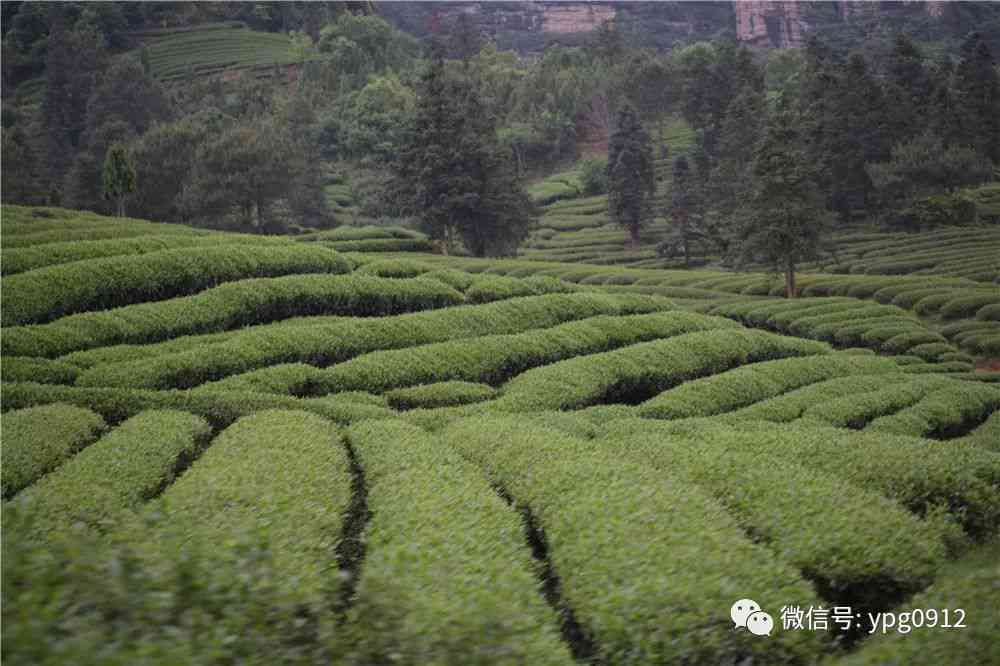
{"points": [[372, 440]]}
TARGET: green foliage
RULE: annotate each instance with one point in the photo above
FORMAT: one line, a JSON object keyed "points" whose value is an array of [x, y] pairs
{"points": [[753, 383], [126, 467], [594, 176], [115, 281], [439, 394], [229, 306], [654, 527], [38, 439], [41, 370], [631, 177], [118, 177], [325, 344], [641, 371], [428, 592]]}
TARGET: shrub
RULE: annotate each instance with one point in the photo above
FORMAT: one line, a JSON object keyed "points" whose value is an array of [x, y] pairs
{"points": [[594, 176], [218, 408], [495, 287], [21, 259], [755, 382], [642, 370], [494, 359], [941, 412], [932, 351], [41, 370], [282, 477], [660, 540], [967, 306], [395, 268], [228, 306], [923, 478], [428, 591], [48, 293], [969, 584], [440, 394], [126, 467], [456, 279], [986, 435], [990, 312], [825, 527], [325, 344], [859, 409], [37, 439]]}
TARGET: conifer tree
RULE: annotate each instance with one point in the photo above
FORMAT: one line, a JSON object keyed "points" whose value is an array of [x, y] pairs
{"points": [[977, 92], [631, 175], [784, 221], [118, 177]]}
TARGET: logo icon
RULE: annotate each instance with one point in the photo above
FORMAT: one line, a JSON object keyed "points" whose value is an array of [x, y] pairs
{"points": [[746, 614]]}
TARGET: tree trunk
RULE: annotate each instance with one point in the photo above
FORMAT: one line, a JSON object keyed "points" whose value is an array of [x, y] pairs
{"points": [[121, 206], [790, 280], [633, 237], [687, 252]]}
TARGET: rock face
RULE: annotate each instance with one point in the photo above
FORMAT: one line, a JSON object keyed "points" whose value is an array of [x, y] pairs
{"points": [[527, 27], [769, 23]]}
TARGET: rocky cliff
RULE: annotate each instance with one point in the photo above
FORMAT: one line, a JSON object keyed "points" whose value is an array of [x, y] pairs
{"points": [[529, 26]]}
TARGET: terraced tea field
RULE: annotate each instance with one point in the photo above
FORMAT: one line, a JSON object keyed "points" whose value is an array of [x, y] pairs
{"points": [[339, 448]]}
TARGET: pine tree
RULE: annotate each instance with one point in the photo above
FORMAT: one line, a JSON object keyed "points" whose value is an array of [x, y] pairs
{"points": [[909, 91], [977, 92], [631, 175], [118, 177], [784, 221], [686, 211]]}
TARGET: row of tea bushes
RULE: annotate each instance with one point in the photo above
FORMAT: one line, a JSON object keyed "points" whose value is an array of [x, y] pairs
{"points": [[126, 467], [38, 439], [640, 371], [924, 476], [637, 549], [229, 306], [448, 577], [753, 383], [944, 411], [325, 344], [439, 394], [47, 293], [218, 408], [833, 532], [21, 259]]}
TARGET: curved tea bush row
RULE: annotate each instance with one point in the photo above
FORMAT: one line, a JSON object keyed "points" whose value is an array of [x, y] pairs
{"points": [[645, 369], [228, 306], [970, 584], [41, 370], [89, 230], [857, 410], [381, 245], [486, 288], [370, 232], [926, 477], [37, 439], [637, 550], [940, 412], [793, 404], [833, 532], [48, 293], [987, 435], [21, 259], [126, 467], [279, 477], [755, 382], [440, 394], [490, 359], [330, 343], [395, 268], [439, 542], [220, 409]]}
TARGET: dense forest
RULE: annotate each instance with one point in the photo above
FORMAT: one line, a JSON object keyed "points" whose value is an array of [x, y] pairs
{"points": [[443, 132]]}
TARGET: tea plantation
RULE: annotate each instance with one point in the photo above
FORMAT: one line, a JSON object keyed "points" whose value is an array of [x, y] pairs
{"points": [[339, 448]]}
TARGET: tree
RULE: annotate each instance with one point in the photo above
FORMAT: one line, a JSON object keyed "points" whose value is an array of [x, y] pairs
{"points": [[631, 175], [242, 173], [453, 172], [118, 177], [784, 221], [686, 211], [977, 93], [909, 91]]}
